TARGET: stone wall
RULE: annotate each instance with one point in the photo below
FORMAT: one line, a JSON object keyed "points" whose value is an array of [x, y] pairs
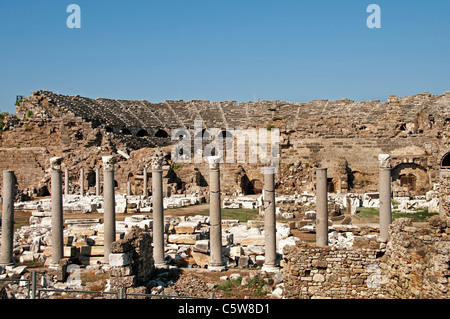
{"points": [[329, 273], [414, 263], [417, 260], [131, 260], [344, 136]]}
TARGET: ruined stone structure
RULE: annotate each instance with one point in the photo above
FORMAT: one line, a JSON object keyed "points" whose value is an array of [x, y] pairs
{"points": [[413, 264], [344, 136]]}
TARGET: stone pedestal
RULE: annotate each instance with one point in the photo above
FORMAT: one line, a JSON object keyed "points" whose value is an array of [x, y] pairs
{"points": [[6, 257], [385, 195], [270, 230], [57, 212], [158, 211], [215, 234], [321, 207], [109, 211]]}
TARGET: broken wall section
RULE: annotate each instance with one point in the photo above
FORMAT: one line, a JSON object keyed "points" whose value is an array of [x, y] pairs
{"points": [[131, 260], [414, 263]]}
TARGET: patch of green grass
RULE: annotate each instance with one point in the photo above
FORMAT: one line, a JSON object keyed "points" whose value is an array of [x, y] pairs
{"points": [[243, 214], [228, 285], [256, 283], [419, 216], [373, 214]]}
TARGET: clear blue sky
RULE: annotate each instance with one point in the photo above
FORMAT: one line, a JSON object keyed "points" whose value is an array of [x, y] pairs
{"points": [[288, 50]]}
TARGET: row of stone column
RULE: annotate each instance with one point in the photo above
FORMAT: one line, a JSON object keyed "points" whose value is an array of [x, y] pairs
{"points": [[109, 213], [216, 263], [97, 182], [384, 187]]}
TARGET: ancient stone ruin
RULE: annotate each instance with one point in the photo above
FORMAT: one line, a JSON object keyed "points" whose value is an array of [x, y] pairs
{"points": [[64, 155]]}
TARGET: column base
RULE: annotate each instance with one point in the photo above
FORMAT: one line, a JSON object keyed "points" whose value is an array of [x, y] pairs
{"points": [[270, 268], [161, 266], [217, 268]]}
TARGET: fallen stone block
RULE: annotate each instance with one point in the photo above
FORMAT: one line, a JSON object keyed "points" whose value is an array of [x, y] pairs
{"points": [[310, 214], [254, 250], [256, 240], [200, 259], [287, 215], [236, 251], [227, 239], [69, 251], [243, 261], [202, 246], [187, 227], [188, 239], [92, 250]]}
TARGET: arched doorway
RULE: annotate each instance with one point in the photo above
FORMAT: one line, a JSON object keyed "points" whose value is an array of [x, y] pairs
{"points": [[142, 133], [408, 181], [445, 162], [411, 177], [161, 133]]}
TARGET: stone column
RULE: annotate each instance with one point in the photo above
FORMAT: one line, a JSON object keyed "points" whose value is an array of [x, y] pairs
{"points": [[270, 230], [57, 211], [82, 182], [6, 257], [145, 190], [384, 187], [128, 188], [66, 181], [215, 219], [158, 212], [97, 181], [109, 212], [321, 207]]}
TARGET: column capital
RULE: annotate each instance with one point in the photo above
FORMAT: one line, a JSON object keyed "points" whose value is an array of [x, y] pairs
{"points": [[108, 162], [55, 163], [214, 161], [157, 160], [384, 160], [268, 170]]}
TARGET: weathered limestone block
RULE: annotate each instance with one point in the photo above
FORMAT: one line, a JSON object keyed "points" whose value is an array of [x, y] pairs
{"points": [[202, 246], [119, 259], [255, 240], [88, 250], [200, 259], [186, 227], [187, 239]]}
